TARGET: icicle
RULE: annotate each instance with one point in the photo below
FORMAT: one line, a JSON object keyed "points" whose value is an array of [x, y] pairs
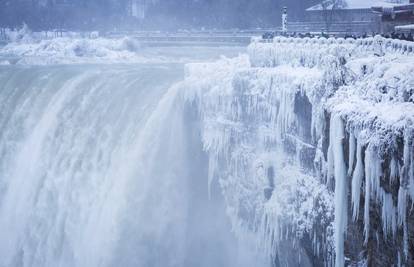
{"points": [[357, 182], [393, 170], [405, 241], [351, 158], [340, 174], [285, 113], [367, 194], [212, 168], [410, 161], [376, 175], [388, 214], [408, 168], [402, 206], [399, 259], [330, 167]]}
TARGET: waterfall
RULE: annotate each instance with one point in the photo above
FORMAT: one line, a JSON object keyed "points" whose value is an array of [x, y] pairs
{"points": [[104, 166]]}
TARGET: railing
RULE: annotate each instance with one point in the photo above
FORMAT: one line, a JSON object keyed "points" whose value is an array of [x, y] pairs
{"points": [[376, 43], [339, 28]]}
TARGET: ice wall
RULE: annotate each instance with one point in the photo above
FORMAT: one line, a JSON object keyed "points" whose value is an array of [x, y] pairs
{"points": [[311, 141]]}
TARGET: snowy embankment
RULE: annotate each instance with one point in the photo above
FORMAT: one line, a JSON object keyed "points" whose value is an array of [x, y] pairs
{"points": [[311, 141]]}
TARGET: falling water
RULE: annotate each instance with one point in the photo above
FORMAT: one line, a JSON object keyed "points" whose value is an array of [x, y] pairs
{"points": [[103, 166]]}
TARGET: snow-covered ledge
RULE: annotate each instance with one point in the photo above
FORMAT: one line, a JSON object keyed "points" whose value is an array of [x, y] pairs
{"points": [[312, 142], [312, 50]]}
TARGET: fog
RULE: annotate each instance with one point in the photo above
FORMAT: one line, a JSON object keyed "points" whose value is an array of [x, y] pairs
{"points": [[115, 15]]}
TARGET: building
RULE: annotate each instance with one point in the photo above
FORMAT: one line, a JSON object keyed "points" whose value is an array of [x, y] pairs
{"points": [[400, 17], [343, 17]]}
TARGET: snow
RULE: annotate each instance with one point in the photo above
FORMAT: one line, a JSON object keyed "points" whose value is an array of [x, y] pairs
{"points": [[363, 4], [250, 124], [405, 27]]}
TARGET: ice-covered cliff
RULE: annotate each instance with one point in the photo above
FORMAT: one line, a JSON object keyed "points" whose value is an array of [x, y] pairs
{"points": [[312, 143]]}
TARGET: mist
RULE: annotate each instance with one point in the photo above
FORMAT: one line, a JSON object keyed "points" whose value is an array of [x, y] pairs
{"points": [[112, 15]]}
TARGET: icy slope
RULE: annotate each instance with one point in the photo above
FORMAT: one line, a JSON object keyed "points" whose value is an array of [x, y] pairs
{"points": [[311, 141]]}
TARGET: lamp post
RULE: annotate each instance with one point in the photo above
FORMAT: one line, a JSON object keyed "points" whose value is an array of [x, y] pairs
{"points": [[284, 20]]}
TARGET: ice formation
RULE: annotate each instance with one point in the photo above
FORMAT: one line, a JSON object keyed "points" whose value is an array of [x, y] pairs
{"points": [[299, 123]]}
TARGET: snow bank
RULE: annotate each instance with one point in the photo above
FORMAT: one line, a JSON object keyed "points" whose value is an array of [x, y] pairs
{"points": [[289, 127]]}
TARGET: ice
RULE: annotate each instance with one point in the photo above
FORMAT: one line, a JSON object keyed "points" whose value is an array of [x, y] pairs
{"points": [[357, 177], [351, 156], [245, 105], [407, 171], [388, 215], [340, 174], [373, 191], [247, 113]]}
